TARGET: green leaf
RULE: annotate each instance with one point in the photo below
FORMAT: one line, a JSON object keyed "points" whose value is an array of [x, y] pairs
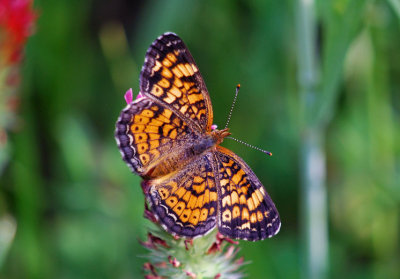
{"points": [[396, 6], [341, 26]]}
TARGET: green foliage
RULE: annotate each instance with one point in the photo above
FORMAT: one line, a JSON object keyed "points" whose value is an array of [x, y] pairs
{"points": [[78, 208]]}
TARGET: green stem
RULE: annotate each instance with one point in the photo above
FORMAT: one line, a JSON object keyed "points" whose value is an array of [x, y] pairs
{"points": [[313, 192], [314, 205]]}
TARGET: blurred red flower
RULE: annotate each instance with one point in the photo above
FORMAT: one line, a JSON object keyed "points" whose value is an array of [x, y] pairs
{"points": [[17, 21]]}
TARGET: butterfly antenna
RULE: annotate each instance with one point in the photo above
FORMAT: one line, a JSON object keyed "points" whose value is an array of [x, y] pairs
{"points": [[233, 105], [251, 146]]}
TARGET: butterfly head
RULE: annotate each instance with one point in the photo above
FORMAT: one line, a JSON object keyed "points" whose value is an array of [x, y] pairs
{"points": [[219, 135]]}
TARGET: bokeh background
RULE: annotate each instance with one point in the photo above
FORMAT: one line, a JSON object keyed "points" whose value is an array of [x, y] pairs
{"points": [[76, 209]]}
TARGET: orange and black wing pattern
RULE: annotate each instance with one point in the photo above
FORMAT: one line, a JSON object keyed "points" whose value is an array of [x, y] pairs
{"points": [[186, 204], [170, 75], [146, 132], [191, 184], [245, 209]]}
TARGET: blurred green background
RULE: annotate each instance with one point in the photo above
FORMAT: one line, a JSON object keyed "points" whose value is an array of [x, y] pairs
{"points": [[78, 208]]}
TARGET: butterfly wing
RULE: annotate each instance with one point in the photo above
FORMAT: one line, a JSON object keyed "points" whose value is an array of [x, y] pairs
{"points": [[186, 204], [170, 76], [146, 132], [245, 209]]}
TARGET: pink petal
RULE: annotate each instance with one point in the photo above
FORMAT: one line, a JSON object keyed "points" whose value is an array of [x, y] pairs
{"points": [[129, 96], [214, 126], [139, 96]]}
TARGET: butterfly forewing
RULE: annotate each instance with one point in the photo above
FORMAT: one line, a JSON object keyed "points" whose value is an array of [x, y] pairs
{"points": [[171, 76], [245, 209]]}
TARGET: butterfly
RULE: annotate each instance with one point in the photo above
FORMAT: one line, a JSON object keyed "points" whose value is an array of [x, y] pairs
{"points": [[167, 137]]}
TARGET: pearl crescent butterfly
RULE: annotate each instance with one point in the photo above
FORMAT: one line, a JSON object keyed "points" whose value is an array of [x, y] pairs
{"points": [[192, 184]]}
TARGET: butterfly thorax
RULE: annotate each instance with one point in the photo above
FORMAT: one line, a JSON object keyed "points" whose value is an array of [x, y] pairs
{"points": [[172, 161]]}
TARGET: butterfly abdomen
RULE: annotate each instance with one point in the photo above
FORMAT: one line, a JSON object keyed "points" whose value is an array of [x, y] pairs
{"points": [[192, 149], [183, 155]]}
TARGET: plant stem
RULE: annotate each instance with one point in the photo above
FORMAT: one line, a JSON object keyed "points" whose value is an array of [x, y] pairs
{"points": [[314, 208], [312, 157]]}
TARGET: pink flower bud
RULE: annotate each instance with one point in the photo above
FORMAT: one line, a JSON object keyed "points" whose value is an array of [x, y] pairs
{"points": [[129, 96]]}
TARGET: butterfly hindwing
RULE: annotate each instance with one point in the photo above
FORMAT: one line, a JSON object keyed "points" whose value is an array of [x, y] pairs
{"points": [[170, 75], [245, 209], [186, 204], [145, 132]]}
